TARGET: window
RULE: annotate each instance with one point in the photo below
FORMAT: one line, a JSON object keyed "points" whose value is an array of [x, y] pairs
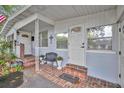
{"points": [[100, 38], [44, 39], [62, 40]]}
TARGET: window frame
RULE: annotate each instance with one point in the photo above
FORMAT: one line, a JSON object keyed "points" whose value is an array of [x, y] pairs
{"points": [[61, 49], [100, 50], [41, 40]]}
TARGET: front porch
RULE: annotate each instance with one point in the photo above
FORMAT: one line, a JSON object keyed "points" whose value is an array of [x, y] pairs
{"points": [[37, 35], [53, 76]]}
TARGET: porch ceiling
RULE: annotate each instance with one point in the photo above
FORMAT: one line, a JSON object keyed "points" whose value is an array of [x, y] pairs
{"points": [[61, 12], [55, 12]]}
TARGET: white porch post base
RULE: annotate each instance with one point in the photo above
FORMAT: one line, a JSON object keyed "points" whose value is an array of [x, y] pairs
{"points": [[37, 59]]}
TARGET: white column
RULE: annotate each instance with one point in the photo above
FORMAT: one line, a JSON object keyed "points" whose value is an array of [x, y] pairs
{"points": [[36, 38]]}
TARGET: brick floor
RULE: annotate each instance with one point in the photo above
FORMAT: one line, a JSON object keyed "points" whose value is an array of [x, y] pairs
{"points": [[90, 82]]}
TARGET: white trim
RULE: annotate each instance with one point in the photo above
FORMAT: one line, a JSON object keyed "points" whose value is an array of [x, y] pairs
{"points": [[45, 19], [44, 47], [101, 51], [25, 21], [120, 12], [19, 12], [61, 32], [61, 49], [119, 48], [22, 23]]}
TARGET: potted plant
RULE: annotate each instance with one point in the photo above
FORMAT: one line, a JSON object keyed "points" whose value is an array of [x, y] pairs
{"points": [[42, 59], [59, 61]]}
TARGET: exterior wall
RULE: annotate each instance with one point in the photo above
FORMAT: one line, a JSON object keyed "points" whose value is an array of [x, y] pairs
{"points": [[26, 41], [101, 65], [52, 46]]}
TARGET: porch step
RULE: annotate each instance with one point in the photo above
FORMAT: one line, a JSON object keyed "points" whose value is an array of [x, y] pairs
{"points": [[29, 64], [76, 71], [26, 60], [29, 61]]}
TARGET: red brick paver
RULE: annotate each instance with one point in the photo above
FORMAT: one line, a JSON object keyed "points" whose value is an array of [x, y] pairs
{"points": [[90, 82]]}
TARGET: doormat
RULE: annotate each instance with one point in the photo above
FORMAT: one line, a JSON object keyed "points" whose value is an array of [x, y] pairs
{"points": [[69, 78]]}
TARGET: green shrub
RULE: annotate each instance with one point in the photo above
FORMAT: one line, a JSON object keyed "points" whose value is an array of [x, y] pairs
{"points": [[2, 62], [19, 68], [59, 58], [6, 58]]}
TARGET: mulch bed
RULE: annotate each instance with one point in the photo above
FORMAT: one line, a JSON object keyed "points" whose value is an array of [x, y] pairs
{"points": [[12, 80]]}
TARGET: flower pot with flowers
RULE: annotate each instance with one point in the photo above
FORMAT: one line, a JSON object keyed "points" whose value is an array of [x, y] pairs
{"points": [[59, 61]]}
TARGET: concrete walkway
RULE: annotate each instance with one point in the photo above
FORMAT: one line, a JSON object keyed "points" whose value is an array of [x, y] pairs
{"points": [[33, 80]]}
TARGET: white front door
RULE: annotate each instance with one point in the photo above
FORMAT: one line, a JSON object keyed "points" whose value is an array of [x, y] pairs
{"points": [[122, 54], [76, 45]]}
